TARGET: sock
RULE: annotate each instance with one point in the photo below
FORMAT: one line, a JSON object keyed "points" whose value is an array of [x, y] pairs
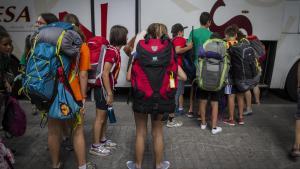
{"points": [[103, 139], [215, 128], [95, 145], [171, 118], [180, 108], [58, 165], [82, 167]]}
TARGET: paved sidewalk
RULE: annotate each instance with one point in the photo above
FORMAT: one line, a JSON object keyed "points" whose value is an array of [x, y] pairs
{"points": [[262, 143]]}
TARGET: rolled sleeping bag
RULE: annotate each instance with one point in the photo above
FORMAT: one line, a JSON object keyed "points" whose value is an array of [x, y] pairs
{"points": [[71, 41]]}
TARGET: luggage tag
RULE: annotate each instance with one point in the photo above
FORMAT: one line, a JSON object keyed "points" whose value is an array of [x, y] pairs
{"points": [[172, 81]]}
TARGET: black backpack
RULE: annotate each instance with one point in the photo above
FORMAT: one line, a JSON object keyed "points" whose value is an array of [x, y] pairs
{"points": [[244, 65]]}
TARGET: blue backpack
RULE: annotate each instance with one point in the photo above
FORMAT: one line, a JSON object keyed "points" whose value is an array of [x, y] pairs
{"points": [[45, 80]]}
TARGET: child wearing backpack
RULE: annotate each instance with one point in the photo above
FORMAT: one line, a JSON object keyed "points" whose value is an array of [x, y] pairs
{"points": [[232, 90], [210, 89], [198, 36], [6, 73], [154, 88], [179, 43], [70, 84], [104, 96]]}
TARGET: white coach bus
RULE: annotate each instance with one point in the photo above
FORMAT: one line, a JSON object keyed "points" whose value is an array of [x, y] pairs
{"points": [[275, 22]]}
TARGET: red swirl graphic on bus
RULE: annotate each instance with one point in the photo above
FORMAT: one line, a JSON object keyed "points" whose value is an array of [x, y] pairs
{"points": [[241, 21]]}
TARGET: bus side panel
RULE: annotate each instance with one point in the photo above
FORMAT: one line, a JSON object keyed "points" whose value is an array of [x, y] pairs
{"points": [[288, 52]]}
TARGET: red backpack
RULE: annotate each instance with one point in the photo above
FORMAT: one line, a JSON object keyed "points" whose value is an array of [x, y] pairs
{"points": [[154, 76], [97, 46]]}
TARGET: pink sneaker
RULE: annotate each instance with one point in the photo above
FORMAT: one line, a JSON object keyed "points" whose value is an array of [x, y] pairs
{"points": [[241, 121], [229, 122]]}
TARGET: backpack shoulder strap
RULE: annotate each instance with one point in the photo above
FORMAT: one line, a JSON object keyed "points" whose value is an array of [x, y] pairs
{"points": [[100, 65]]}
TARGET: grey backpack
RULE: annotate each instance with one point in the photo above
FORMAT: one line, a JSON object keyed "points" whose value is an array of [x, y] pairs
{"points": [[212, 66]]}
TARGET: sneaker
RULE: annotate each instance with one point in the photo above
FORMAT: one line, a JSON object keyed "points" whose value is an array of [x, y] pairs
{"points": [[131, 165], [179, 112], [241, 121], [109, 144], [294, 154], [99, 151], [164, 165], [90, 165], [174, 123], [189, 114], [203, 126], [248, 112], [216, 130], [229, 122], [61, 166]]}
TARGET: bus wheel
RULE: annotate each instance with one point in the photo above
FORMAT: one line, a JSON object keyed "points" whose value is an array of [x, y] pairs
{"points": [[291, 83]]}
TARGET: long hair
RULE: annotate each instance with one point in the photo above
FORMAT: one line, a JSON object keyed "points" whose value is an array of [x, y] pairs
{"points": [[157, 30], [49, 17], [73, 19], [118, 35]]}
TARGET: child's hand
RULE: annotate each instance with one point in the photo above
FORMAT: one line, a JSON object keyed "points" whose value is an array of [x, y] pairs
{"points": [[8, 87], [109, 99], [82, 110], [190, 45]]}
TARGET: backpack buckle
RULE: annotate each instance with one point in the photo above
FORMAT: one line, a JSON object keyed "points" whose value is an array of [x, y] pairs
{"points": [[155, 108]]}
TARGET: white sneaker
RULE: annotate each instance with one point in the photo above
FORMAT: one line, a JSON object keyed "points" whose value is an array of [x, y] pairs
{"points": [[131, 165], [216, 130], [203, 126], [109, 144], [174, 123], [248, 112], [99, 151], [164, 165]]}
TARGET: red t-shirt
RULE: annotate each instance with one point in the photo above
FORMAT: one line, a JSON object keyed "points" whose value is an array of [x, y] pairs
{"points": [[113, 56], [181, 42]]}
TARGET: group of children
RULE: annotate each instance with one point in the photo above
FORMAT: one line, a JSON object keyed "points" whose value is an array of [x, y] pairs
{"points": [[196, 39], [102, 146]]}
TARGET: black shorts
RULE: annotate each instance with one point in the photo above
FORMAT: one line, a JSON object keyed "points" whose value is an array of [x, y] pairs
{"points": [[206, 95], [100, 99]]}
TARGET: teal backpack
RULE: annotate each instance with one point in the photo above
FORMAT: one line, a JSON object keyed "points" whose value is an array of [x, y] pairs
{"points": [[45, 80]]}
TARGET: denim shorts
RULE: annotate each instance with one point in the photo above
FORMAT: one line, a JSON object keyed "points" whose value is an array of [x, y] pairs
{"points": [[180, 88]]}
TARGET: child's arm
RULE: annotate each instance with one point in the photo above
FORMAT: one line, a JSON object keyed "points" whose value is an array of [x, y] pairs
{"points": [[128, 75], [83, 80], [180, 50], [106, 82]]}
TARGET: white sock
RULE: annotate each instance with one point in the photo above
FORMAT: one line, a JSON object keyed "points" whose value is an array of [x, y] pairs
{"points": [[180, 108], [103, 139], [58, 165], [96, 145], [82, 167]]}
